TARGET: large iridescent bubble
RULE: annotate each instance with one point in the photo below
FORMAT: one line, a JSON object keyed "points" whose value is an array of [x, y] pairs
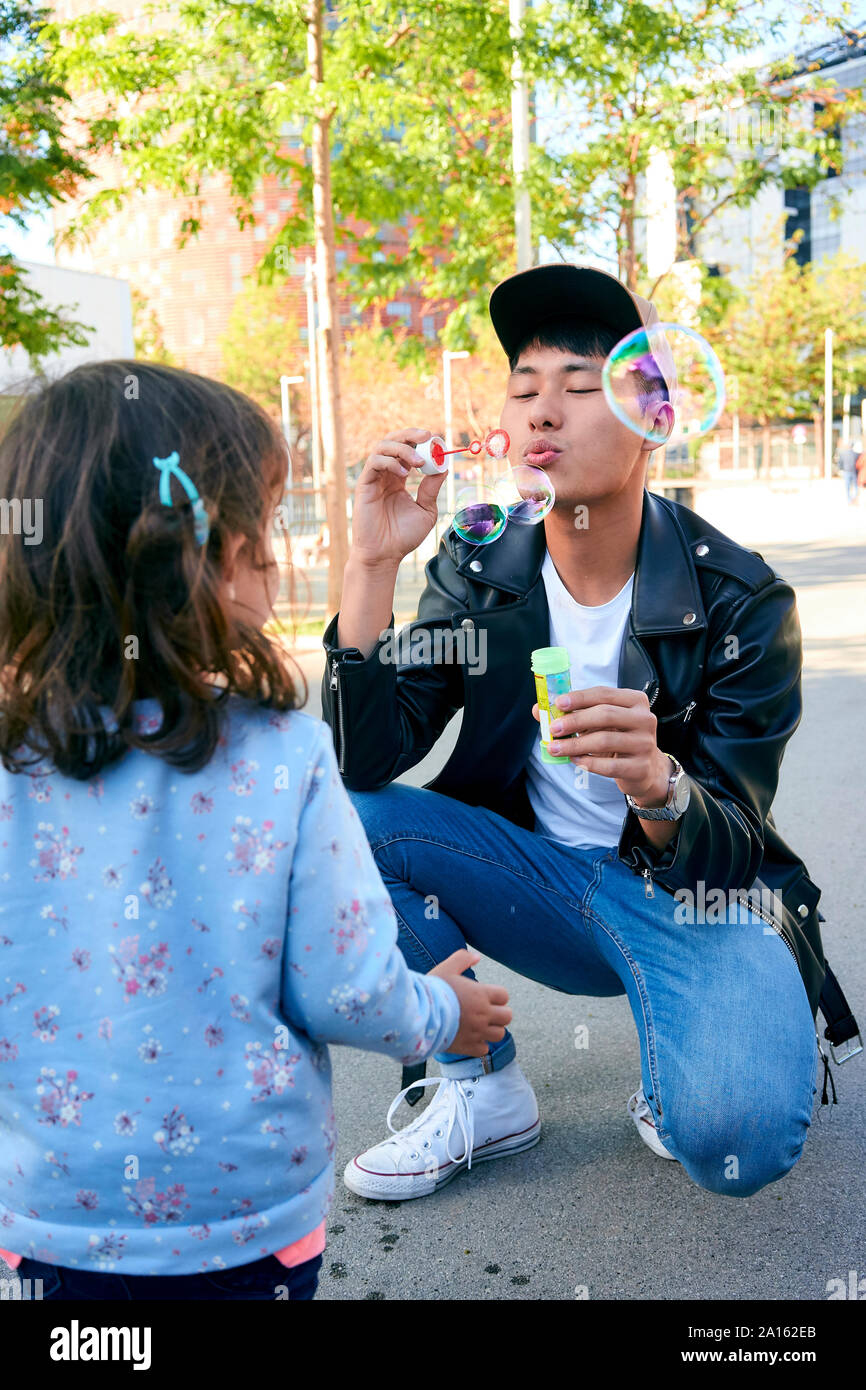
{"points": [[665, 383]]}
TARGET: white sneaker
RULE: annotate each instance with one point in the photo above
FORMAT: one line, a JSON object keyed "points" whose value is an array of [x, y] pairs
{"points": [[646, 1125], [495, 1113]]}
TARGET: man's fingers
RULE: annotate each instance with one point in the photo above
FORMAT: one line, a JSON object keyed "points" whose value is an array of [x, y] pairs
{"points": [[600, 695], [601, 744], [431, 484], [604, 767], [392, 448], [625, 718], [379, 465]]}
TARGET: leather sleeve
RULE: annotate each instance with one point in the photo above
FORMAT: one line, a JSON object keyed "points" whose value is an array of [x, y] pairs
{"points": [[749, 706], [388, 709]]}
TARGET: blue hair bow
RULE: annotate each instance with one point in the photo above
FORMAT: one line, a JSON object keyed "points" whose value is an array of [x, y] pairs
{"points": [[169, 468]]}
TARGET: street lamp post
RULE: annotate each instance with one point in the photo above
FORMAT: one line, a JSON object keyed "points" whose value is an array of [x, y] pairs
{"points": [[286, 416], [447, 358], [313, 365], [828, 403], [520, 143]]}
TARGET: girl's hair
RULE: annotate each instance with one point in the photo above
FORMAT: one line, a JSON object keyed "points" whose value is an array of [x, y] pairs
{"points": [[110, 598]]}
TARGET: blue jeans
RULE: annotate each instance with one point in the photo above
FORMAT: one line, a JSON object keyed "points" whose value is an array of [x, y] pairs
{"points": [[261, 1281], [727, 1038], [851, 485]]}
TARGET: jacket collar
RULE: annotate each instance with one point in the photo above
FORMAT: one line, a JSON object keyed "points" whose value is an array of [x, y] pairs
{"points": [[666, 589]]}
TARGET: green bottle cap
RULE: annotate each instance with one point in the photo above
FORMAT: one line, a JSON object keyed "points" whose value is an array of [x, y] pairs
{"points": [[548, 661]]}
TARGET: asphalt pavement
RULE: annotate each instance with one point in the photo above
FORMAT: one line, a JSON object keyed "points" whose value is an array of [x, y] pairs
{"points": [[590, 1208]]}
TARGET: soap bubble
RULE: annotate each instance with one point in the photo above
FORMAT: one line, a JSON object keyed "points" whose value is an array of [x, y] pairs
{"points": [[527, 493], [665, 382], [479, 515], [497, 444]]}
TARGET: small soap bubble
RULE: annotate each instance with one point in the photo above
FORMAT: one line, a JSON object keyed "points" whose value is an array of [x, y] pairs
{"points": [[526, 493], [479, 515], [665, 383]]}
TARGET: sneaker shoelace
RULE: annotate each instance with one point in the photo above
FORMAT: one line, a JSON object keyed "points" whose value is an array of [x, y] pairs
{"points": [[458, 1114]]}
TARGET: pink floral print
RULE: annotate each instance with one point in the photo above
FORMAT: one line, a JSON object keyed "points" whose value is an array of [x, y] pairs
{"points": [[56, 855]]}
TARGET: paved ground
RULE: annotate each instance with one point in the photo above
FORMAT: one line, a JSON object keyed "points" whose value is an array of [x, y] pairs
{"points": [[590, 1205]]}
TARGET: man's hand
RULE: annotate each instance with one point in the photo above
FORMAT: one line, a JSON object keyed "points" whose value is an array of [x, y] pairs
{"points": [[388, 523], [613, 733]]}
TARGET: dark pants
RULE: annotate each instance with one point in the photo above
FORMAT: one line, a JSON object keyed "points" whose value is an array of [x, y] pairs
{"points": [[263, 1281]]}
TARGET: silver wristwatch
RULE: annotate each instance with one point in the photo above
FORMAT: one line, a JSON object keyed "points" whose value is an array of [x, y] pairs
{"points": [[679, 794]]}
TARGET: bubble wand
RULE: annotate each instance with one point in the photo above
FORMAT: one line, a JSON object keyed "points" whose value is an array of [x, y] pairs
{"points": [[434, 453]]}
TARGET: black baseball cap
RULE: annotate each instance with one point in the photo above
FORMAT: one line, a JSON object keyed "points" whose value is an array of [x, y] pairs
{"points": [[525, 301]]}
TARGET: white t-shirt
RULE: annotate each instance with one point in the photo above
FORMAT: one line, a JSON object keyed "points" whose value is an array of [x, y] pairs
{"points": [[572, 805]]}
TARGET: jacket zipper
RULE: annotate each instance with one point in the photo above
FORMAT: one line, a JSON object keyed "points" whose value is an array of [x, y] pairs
{"points": [[759, 912], [686, 713], [335, 686], [649, 891]]}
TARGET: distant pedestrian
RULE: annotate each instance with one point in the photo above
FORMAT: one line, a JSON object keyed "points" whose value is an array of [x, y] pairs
{"points": [[849, 457]]}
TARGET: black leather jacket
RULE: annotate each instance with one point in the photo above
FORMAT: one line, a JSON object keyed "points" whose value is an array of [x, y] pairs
{"points": [[725, 709]]}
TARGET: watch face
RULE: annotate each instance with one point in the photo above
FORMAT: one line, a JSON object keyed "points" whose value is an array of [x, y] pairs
{"points": [[682, 794]]}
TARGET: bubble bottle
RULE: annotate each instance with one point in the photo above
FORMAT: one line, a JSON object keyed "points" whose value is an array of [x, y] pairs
{"points": [[552, 671]]}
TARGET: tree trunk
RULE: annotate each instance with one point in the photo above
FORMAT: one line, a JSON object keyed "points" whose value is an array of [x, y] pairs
{"points": [[327, 345], [628, 247]]}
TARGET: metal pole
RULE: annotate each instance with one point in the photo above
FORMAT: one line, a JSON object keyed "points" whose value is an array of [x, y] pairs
{"points": [[449, 437], [828, 402], [846, 415], [447, 359], [286, 416], [313, 359], [520, 143]]}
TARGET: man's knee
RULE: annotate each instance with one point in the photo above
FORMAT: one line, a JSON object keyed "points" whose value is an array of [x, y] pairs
{"points": [[735, 1156]]}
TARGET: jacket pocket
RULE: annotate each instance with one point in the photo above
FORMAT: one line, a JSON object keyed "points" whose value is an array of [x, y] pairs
{"points": [[680, 716]]}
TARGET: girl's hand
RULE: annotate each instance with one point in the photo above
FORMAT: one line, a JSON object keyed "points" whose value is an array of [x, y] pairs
{"points": [[483, 1016], [387, 522]]}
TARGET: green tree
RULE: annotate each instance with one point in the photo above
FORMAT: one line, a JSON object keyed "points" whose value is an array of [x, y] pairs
{"points": [[771, 338], [38, 167], [677, 79], [148, 336], [262, 343], [405, 113]]}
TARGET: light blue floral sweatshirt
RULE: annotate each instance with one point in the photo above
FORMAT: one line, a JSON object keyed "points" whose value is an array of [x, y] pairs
{"points": [[176, 951]]}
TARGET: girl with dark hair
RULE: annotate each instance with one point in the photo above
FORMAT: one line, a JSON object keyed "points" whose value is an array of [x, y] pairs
{"points": [[189, 909]]}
